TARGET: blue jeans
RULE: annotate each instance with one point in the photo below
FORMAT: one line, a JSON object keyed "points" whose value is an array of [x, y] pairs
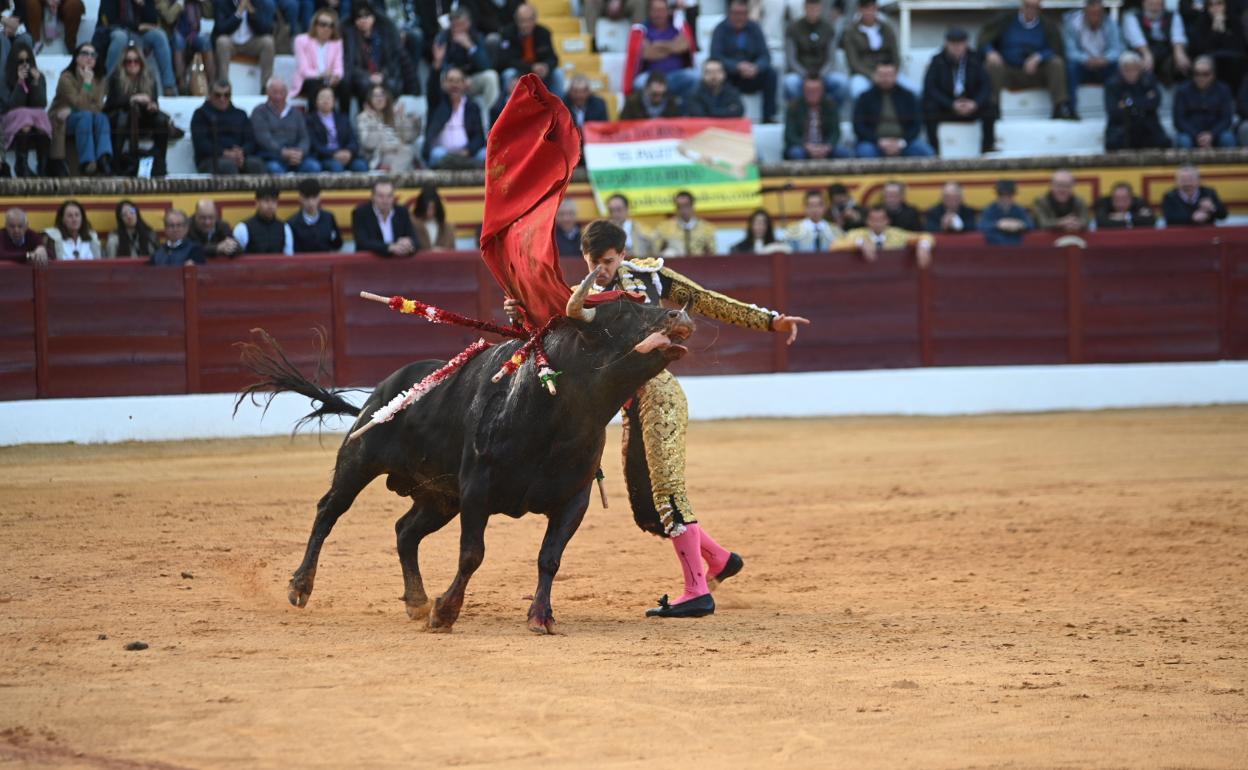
{"points": [[836, 85], [1078, 73], [92, 135], [438, 153], [198, 44], [308, 166], [554, 82], [679, 82], [154, 41], [333, 166], [798, 152], [1224, 139], [916, 149], [298, 14]]}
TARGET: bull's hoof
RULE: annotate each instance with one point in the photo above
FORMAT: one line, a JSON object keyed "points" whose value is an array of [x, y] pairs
{"points": [[435, 626], [422, 611], [299, 593], [540, 626]]}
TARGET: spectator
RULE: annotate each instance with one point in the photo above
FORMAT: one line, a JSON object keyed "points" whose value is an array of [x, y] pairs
{"points": [[957, 89], [491, 16], [246, 27], [637, 243], [1093, 45], [18, 243], [1121, 210], [1160, 39], [1060, 209], [382, 228], [1190, 204], [812, 125], [331, 140], [432, 230], [387, 133], [318, 56], [263, 232], [878, 235], [312, 228], [1022, 49], [1220, 36], [177, 249], [526, 46], [760, 236], [843, 210], [281, 133], [24, 104], [739, 43], [462, 48], [1132, 100], [867, 43], [136, 23], [133, 237], [67, 12], [1203, 109], [951, 215], [567, 231], [1004, 222], [405, 16], [1243, 113], [78, 109], [454, 137], [900, 213], [371, 54], [715, 98], [684, 235], [813, 233], [808, 54], [183, 20], [652, 102], [887, 121], [583, 103], [133, 110], [661, 45], [215, 237], [72, 238], [632, 11]]}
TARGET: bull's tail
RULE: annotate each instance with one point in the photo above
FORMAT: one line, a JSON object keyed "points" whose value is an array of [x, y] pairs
{"points": [[278, 375]]}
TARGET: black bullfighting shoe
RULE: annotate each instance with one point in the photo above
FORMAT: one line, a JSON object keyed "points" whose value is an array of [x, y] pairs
{"points": [[694, 608], [734, 565]]}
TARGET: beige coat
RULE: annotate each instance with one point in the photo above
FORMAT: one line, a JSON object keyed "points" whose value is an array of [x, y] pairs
{"points": [[391, 146]]}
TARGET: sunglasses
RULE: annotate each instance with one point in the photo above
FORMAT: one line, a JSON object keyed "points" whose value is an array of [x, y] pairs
{"points": [[1203, 73], [220, 94], [324, 23], [133, 61], [23, 60]]}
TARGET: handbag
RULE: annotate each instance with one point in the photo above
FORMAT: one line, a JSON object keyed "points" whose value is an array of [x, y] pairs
{"points": [[198, 85]]}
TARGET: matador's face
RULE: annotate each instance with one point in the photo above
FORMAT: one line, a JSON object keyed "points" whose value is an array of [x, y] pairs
{"points": [[608, 264]]}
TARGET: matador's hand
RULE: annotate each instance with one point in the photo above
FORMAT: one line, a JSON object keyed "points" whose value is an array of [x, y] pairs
{"points": [[788, 323]]}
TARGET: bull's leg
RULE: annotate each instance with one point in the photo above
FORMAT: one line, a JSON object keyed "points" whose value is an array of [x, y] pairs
{"points": [[422, 520], [471, 553], [559, 530], [350, 477]]}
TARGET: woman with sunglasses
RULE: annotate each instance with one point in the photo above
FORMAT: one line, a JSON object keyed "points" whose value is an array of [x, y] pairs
{"points": [[24, 101], [133, 111], [318, 56], [78, 109], [72, 238]]}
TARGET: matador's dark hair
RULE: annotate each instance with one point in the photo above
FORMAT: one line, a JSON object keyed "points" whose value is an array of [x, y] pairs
{"points": [[601, 236]]}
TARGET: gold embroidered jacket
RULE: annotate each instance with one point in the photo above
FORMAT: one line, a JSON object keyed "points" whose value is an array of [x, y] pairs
{"points": [[657, 283]]}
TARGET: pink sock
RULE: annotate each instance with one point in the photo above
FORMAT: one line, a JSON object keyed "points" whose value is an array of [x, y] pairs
{"points": [[715, 554], [687, 550]]}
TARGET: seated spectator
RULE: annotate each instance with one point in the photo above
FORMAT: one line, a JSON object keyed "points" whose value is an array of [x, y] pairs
{"points": [[387, 133], [812, 125], [372, 54], [18, 243], [684, 235], [380, 227], [583, 103], [183, 20], [760, 237], [1022, 49], [1190, 204], [405, 15], [951, 215], [1060, 209], [222, 135], [887, 121], [879, 235], [135, 23], [1220, 36], [433, 232], [1132, 101], [454, 137], [331, 140], [714, 98], [318, 56], [246, 27], [24, 104], [214, 236], [664, 45], [1004, 222], [282, 133], [1160, 39], [808, 54], [492, 15], [1243, 113], [1093, 45], [812, 233], [652, 102], [67, 12], [133, 110], [740, 45], [1204, 109], [78, 109], [1121, 210], [637, 242], [843, 210], [263, 232], [133, 237], [957, 89], [900, 213], [526, 46], [567, 231], [177, 249], [461, 47], [632, 11], [868, 42], [72, 238], [312, 228]]}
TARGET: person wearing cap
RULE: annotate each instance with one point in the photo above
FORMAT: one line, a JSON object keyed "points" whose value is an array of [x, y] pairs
{"points": [[1022, 49], [1093, 45], [957, 89], [312, 228], [1004, 221], [264, 233]]}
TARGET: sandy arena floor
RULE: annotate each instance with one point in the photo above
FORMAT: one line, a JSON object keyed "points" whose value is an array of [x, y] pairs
{"points": [[1002, 592]]}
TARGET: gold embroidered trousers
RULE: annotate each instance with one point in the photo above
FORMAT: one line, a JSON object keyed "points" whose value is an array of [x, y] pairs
{"points": [[664, 415]]}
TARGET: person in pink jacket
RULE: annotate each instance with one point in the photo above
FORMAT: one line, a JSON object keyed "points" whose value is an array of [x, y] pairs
{"points": [[318, 56]]}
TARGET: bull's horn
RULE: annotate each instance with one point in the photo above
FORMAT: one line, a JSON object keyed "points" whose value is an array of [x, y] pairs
{"points": [[576, 303]]}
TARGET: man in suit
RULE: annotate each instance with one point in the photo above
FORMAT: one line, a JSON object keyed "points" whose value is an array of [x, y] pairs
{"points": [[951, 215], [382, 228], [1191, 204], [957, 89], [887, 121], [583, 103], [246, 27], [454, 136]]}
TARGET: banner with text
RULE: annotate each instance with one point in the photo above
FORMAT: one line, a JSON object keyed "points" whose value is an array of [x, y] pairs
{"points": [[649, 161]]}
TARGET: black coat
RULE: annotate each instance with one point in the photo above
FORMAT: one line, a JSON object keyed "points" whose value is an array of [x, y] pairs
{"points": [[907, 218], [391, 62], [595, 109], [938, 84], [970, 218], [442, 115], [869, 106], [318, 137], [113, 11], [214, 130], [367, 230], [1177, 212], [510, 49]]}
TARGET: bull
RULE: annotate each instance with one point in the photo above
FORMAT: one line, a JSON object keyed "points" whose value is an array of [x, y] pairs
{"points": [[475, 448]]}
